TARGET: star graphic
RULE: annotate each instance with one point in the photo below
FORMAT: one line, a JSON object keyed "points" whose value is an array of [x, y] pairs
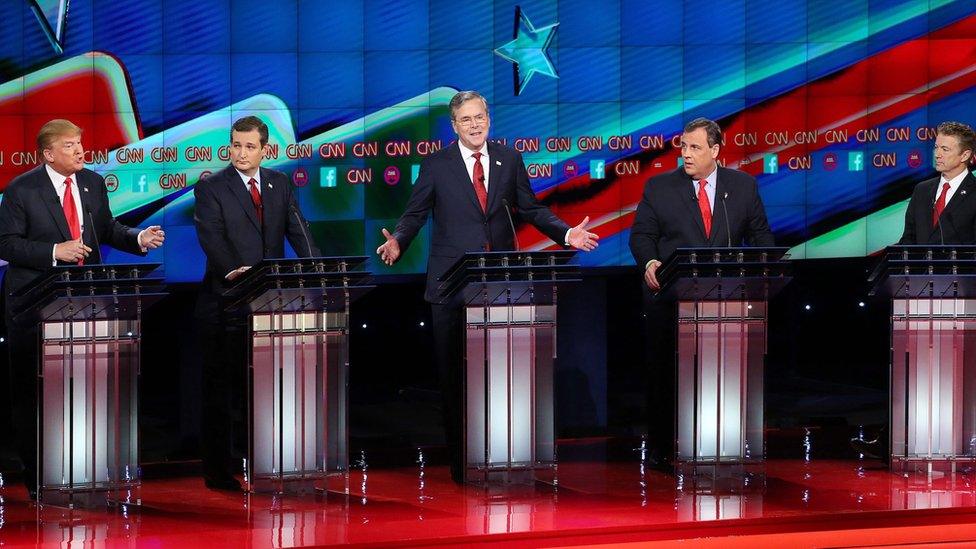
{"points": [[52, 16], [528, 50]]}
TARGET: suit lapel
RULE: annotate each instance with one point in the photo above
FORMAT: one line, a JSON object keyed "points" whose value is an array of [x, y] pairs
{"points": [[50, 198], [718, 212], [687, 196], [236, 187], [933, 196], [495, 165], [461, 174], [962, 195], [87, 205], [87, 214], [268, 196]]}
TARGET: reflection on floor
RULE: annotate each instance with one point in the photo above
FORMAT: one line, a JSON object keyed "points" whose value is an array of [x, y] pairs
{"points": [[795, 503]]}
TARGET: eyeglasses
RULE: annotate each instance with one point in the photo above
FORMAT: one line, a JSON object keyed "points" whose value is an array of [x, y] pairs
{"points": [[468, 121]]}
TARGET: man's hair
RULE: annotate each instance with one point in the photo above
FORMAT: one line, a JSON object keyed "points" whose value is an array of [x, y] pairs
{"points": [[962, 132], [711, 129], [460, 97], [250, 123], [54, 129]]}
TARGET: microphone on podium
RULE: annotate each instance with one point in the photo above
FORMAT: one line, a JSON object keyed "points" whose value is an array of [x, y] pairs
{"points": [[511, 223]]}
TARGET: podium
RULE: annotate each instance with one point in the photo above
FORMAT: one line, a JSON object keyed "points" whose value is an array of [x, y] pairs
{"points": [[933, 355], [509, 302], [298, 370], [721, 296], [88, 376]]}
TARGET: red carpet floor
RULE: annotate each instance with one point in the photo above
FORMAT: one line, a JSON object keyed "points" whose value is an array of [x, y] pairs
{"points": [[818, 504]]}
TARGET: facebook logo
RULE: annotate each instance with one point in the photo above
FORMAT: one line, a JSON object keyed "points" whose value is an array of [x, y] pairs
{"points": [[328, 176], [414, 173], [140, 184], [596, 169], [855, 161], [770, 163]]}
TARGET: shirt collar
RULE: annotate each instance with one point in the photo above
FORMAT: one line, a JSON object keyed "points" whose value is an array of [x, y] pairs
{"points": [[247, 180], [955, 181], [710, 179], [466, 152], [57, 178]]}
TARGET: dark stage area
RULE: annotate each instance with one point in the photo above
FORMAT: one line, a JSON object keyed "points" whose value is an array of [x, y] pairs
{"points": [[826, 377]]}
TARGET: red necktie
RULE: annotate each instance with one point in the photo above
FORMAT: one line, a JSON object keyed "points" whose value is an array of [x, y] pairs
{"points": [[940, 205], [705, 207], [478, 180], [71, 213], [256, 198]]}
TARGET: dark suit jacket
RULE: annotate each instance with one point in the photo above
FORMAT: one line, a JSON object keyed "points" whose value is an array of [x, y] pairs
{"points": [[668, 217], [32, 221], [958, 219], [229, 231], [444, 189]]}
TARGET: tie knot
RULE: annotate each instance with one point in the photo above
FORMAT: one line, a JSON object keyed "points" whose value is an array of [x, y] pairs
{"points": [[476, 156], [945, 186], [253, 182], [702, 183], [67, 181]]}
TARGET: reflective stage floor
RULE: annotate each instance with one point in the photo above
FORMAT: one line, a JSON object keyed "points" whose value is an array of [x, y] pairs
{"points": [[800, 504]]}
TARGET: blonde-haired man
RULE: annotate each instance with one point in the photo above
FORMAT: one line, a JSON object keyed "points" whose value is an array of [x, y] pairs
{"points": [[52, 215]]}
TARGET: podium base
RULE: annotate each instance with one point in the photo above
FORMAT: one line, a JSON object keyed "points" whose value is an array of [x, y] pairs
{"points": [[300, 484], [91, 497], [522, 473], [721, 478], [932, 467]]}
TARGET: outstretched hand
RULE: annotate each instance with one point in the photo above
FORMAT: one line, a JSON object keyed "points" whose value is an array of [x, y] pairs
{"points": [[153, 237], [581, 239], [389, 251]]}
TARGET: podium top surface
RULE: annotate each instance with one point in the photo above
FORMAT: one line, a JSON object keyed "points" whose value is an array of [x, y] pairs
{"points": [[925, 271], [509, 276], [715, 274], [299, 284], [85, 275], [83, 292]]}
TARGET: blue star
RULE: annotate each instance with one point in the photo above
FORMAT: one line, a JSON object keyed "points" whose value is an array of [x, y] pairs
{"points": [[528, 50]]}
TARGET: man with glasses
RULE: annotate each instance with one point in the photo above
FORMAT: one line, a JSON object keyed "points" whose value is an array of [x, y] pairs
{"points": [[466, 187]]}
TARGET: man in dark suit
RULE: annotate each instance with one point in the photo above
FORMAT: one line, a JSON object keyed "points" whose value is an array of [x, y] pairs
{"points": [[942, 210], [466, 186], [243, 215], [55, 214], [697, 205]]}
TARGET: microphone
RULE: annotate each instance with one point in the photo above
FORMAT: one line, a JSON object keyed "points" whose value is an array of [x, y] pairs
{"points": [[511, 223], [728, 231], [94, 232], [938, 221], [301, 223]]}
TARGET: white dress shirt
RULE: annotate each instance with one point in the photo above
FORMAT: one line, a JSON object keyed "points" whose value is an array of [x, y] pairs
{"points": [[59, 187], [247, 184], [468, 156], [247, 187], [710, 181], [954, 184]]}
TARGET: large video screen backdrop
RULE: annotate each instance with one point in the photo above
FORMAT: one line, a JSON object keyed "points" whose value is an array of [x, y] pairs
{"points": [[831, 104]]}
